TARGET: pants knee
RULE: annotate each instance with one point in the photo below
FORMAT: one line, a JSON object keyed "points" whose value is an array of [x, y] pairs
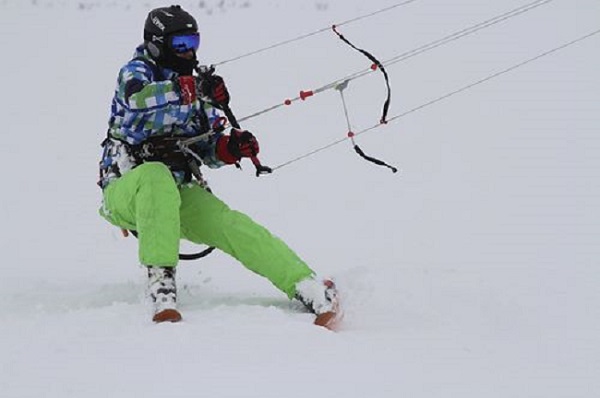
{"points": [[156, 173]]}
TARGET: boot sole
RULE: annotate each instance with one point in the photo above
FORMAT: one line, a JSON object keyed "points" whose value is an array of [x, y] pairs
{"points": [[329, 320], [169, 315]]}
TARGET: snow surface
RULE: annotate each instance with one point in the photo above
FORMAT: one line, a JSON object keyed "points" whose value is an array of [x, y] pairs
{"points": [[472, 273]]}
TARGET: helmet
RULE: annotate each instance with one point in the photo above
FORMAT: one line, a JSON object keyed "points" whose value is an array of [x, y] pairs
{"points": [[162, 24]]}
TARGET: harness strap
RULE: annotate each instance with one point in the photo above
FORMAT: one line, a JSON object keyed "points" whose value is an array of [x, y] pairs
{"points": [[182, 256]]}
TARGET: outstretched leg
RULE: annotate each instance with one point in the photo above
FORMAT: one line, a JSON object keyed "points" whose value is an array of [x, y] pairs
{"points": [[208, 220]]}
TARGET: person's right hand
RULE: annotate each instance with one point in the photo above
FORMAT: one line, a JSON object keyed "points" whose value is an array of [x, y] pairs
{"points": [[187, 89]]}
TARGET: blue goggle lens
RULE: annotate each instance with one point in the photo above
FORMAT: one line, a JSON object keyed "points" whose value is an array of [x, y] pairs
{"points": [[185, 43]]}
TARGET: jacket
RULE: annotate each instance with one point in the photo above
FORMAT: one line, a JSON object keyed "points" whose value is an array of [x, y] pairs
{"points": [[146, 105]]}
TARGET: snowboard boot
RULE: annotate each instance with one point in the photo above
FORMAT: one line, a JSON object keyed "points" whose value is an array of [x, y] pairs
{"points": [[320, 296], [163, 293]]}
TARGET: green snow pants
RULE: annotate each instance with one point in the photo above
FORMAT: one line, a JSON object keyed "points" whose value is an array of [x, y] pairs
{"points": [[147, 200]]}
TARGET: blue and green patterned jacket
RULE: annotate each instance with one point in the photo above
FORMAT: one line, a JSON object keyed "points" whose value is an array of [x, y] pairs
{"points": [[146, 105]]}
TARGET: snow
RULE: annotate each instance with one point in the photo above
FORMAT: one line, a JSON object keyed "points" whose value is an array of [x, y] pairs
{"points": [[471, 273]]}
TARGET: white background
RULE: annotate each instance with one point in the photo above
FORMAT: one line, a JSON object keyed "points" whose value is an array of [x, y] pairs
{"points": [[471, 273]]}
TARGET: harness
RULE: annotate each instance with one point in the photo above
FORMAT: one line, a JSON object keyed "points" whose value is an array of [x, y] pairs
{"points": [[167, 150]]}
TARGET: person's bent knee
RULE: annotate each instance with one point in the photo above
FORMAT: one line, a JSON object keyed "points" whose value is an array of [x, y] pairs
{"points": [[155, 172]]}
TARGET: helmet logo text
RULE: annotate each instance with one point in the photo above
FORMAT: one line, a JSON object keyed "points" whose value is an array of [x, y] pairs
{"points": [[158, 23]]}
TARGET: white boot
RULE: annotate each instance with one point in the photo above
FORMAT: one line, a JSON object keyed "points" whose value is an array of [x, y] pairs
{"points": [[162, 290], [320, 296]]}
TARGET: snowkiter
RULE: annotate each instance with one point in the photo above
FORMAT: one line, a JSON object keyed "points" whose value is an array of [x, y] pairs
{"points": [[151, 181]]}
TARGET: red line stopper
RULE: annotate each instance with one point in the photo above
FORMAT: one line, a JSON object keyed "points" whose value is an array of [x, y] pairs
{"points": [[374, 67], [305, 94], [288, 102], [350, 134]]}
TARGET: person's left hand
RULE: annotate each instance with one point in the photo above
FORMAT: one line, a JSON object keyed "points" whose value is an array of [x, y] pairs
{"points": [[239, 144], [214, 88]]}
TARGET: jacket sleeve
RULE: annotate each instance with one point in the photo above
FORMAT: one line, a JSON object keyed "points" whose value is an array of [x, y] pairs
{"points": [[138, 91], [206, 148], [150, 107], [144, 105]]}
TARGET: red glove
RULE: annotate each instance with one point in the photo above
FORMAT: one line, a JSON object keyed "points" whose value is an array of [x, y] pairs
{"points": [[239, 144], [214, 88], [187, 89]]}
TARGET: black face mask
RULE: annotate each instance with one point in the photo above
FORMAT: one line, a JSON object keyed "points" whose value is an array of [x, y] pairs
{"points": [[182, 66]]}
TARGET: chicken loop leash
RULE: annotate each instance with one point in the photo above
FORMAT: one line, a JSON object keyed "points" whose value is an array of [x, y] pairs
{"points": [[207, 73]]}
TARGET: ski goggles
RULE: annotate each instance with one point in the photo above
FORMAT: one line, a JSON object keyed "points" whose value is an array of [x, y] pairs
{"points": [[184, 43]]}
